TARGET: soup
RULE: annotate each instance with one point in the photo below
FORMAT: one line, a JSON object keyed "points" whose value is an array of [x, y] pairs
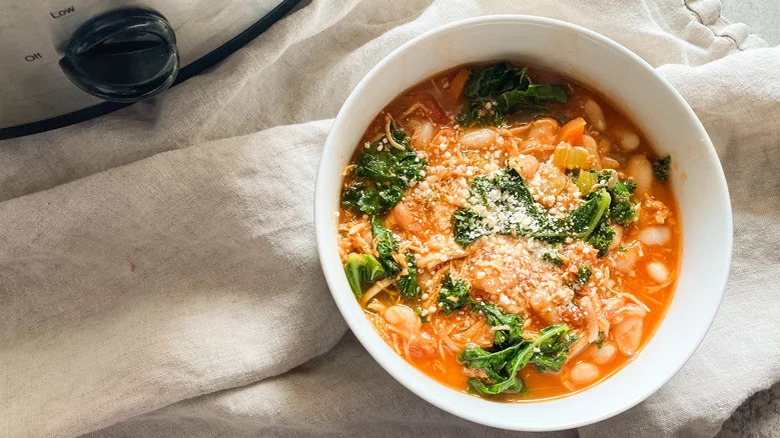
{"points": [[508, 232]]}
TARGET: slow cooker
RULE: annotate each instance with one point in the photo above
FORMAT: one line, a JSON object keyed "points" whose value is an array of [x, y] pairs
{"points": [[64, 61]]}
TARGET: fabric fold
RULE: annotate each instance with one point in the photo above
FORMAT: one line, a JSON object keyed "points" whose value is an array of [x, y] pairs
{"points": [[146, 284]]}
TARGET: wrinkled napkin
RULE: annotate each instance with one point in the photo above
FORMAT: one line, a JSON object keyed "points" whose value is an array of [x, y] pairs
{"points": [[158, 273]]}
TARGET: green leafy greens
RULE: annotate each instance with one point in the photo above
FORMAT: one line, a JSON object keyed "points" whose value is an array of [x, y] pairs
{"points": [[602, 236], [600, 340], [548, 352], [407, 283], [493, 93], [385, 246], [419, 311], [553, 257], [454, 294], [583, 274], [468, 226], [662, 167], [510, 351], [582, 221], [362, 270], [511, 326], [621, 209], [382, 173], [518, 213]]}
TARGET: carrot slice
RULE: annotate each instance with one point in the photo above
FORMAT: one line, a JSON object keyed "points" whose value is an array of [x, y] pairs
{"points": [[458, 83], [572, 132]]}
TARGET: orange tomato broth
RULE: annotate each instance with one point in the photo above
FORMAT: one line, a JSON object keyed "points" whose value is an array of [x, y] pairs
{"points": [[442, 101]]}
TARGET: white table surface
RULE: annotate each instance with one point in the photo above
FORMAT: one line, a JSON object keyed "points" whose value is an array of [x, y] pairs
{"points": [[761, 16]]}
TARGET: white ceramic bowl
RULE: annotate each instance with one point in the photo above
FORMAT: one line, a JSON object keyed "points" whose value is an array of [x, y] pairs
{"points": [[651, 102]]}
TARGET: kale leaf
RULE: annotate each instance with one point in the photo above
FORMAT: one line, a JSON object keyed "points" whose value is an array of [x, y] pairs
{"points": [[407, 283], [362, 270], [621, 210], [552, 257], [364, 197], [521, 215], [495, 92], [510, 182], [548, 352], [491, 81], [391, 165], [382, 173], [511, 326], [583, 274], [600, 340], [662, 167], [474, 113], [467, 226], [454, 294], [582, 221], [500, 367], [481, 186], [532, 98], [602, 236], [419, 311], [385, 246], [553, 350]]}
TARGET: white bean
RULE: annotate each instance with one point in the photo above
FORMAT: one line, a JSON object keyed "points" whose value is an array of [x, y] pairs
{"points": [[629, 141], [595, 115], [605, 354], [628, 334], [625, 261], [423, 134], [641, 170], [479, 139], [405, 218], [590, 144], [658, 272], [655, 235], [403, 319], [584, 373], [610, 163]]}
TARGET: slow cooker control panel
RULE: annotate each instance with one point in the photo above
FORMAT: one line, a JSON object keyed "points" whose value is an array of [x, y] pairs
{"points": [[124, 55], [62, 61]]}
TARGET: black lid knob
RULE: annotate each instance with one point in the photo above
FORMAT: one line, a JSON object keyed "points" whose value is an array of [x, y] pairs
{"points": [[125, 55]]}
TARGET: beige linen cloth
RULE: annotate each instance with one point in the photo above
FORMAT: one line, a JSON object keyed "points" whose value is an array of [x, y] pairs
{"points": [[158, 273]]}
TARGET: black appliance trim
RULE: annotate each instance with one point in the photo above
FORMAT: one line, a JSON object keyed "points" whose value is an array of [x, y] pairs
{"points": [[185, 73]]}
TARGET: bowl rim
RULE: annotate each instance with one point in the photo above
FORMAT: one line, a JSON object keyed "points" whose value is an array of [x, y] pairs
{"points": [[376, 346]]}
